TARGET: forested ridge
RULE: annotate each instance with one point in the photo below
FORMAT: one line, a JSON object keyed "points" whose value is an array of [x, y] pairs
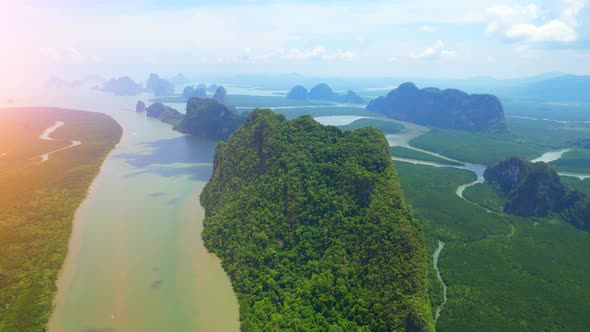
{"points": [[312, 227], [535, 189]]}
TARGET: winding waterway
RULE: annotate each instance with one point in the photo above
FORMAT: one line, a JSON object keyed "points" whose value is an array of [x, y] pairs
{"points": [[435, 262], [45, 135]]}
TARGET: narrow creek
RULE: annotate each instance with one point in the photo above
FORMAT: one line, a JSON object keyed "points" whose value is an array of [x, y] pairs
{"points": [[45, 135], [435, 262]]}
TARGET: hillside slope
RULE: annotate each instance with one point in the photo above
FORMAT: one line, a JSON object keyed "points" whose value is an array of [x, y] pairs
{"points": [[312, 227]]}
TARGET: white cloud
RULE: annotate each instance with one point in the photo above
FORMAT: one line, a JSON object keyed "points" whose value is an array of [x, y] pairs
{"points": [[553, 31], [436, 51], [302, 54], [526, 24]]}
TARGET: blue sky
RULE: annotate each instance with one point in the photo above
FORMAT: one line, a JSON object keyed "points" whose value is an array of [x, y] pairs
{"points": [[454, 38]]}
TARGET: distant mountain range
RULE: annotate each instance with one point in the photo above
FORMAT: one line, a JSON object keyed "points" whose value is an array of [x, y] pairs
{"points": [[323, 91], [562, 88]]}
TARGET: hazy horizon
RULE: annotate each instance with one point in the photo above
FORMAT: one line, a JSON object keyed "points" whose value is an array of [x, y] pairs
{"points": [[455, 39]]}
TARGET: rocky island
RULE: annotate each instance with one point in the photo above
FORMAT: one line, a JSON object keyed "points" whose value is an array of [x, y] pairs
{"points": [[122, 86], [210, 119], [164, 113], [448, 108], [159, 86], [312, 227], [535, 190]]}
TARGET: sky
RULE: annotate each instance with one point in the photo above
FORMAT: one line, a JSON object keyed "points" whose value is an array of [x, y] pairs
{"points": [[452, 38]]}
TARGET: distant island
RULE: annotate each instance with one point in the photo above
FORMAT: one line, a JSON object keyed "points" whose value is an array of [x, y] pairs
{"points": [[190, 91], [122, 86], [164, 113], [535, 190], [126, 86], [140, 106], [209, 118], [448, 108], [561, 88], [159, 86], [312, 227], [323, 92], [204, 117]]}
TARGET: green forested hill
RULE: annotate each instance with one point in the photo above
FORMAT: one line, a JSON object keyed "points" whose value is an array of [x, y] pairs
{"points": [[312, 227], [535, 190]]}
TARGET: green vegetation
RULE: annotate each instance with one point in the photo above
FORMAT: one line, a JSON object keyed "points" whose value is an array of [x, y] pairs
{"points": [[443, 214], [572, 111], [164, 113], [480, 148], [580, 185], [402, 152], [387, 127], [502, 279], [577, 161], [485, 196], [535, 189], [547, 135], [311, 225], [521, 283], [38, 202]]}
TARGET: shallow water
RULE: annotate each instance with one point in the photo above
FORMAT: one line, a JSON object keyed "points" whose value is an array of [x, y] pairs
{"points": [[338, 120], [550, 156], [136, 261]]}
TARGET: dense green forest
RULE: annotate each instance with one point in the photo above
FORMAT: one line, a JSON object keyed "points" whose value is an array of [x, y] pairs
{"points": [[503, 272], [38, 202], [577, 161], [312, 227], [478, 148]]}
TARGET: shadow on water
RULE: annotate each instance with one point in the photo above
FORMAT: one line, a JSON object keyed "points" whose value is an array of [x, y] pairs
{"points": [[187, 150], [181, 149], [196, 173]]}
